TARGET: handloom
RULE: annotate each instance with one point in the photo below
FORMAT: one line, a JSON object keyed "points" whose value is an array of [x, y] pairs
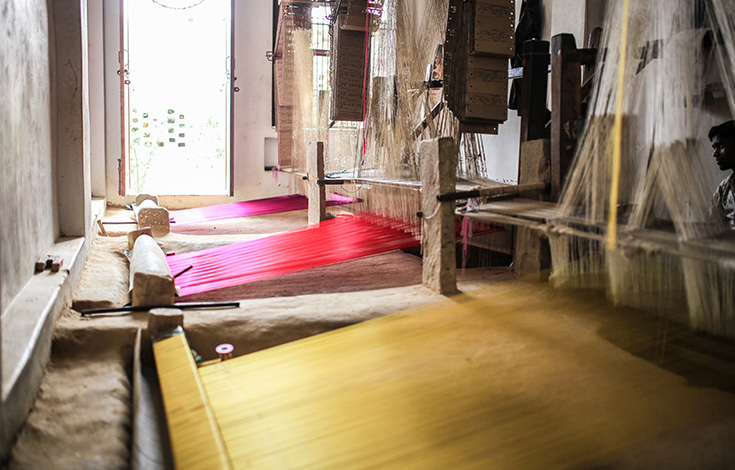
{"points": [[391, 113], [233, 210], [634, 214], [373, 125]]}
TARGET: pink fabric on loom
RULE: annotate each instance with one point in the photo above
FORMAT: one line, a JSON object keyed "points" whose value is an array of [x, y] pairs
{"points": [[339, 239], [233, 210]]}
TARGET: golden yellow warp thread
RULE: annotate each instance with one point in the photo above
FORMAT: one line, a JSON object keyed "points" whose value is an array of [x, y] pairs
{"points": [[617, 135]]}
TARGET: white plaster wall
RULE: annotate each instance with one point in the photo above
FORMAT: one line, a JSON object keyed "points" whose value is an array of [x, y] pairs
{"points": [[97, 97], [252, 107], [27, 191], [569, 16], [73, 135], [595, 17]]}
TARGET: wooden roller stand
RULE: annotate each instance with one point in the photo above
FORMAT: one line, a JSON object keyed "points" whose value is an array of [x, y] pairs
{"points": [[149, 214], [151, 282]]}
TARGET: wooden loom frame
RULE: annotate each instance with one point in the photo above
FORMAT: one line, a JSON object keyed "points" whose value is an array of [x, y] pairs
{"points": [[564, 66]]}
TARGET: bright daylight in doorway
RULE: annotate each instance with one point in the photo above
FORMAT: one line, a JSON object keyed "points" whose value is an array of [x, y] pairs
{"points": [[179, 96]]}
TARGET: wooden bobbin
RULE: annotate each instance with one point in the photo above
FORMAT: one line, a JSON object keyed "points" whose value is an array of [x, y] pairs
{"points": [[438, 175], [162, 321], [149, 214], [151, 282]]}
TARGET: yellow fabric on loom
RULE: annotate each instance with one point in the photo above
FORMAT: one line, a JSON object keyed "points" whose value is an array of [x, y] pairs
{"points": [[519, 376]]}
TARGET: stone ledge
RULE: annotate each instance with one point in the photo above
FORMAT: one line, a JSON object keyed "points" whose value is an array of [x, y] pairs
{"points": [[27, 326]]}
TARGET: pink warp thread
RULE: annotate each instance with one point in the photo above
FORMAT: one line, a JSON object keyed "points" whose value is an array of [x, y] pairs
{"points": [[340, 239], [233, 210], [466, 234]]}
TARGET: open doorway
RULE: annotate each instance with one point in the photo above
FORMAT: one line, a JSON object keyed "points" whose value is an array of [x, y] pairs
{"points": [[178, 96]]}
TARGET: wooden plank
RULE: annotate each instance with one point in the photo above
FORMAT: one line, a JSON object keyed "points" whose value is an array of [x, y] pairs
{"points": [[495, 218], [529, 209], [348, 74], [196, 441], [491, 31]]}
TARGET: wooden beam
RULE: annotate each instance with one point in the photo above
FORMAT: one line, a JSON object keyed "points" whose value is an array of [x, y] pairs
{"points": [[151, 282], [492, 191]]}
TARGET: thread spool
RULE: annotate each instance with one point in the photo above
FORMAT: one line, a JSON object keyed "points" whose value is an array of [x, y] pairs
{"points": [[225, 351]]}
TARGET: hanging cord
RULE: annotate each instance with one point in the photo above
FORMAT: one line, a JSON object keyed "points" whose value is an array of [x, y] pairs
{"points": [[365, 80], [612, 223], [466, 235], [160, 4]]}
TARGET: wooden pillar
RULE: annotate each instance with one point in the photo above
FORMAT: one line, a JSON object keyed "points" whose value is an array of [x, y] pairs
{"points": [[533, 91], [566, 109], [316, 193], [438, 175]]}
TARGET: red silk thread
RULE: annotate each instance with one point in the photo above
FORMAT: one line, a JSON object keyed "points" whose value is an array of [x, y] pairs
{"points": [[340, 239]]}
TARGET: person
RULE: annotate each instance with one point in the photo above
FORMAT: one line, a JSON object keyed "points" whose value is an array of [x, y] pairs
{"points": [[722, 138]]}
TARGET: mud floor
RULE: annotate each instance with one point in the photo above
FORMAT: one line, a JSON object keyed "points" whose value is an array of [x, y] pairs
{"points": [[82, 415]]}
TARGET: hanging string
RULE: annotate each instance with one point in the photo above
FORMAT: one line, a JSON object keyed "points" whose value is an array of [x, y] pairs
{"points": [[366, 76], [160, 4]]}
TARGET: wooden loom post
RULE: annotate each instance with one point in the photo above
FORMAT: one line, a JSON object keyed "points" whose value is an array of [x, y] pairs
{"points": [[533, 93], [566, 109], [316, 193], [438, 175], [531, 254]]}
